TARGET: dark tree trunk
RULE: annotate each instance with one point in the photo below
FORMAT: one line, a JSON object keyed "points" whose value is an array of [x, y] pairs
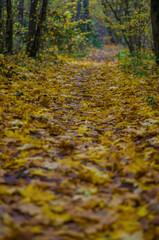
{"points": [[86, 8], [36, 44], [155, 26], [32, 24], [1, 26], [130, 40], [9, 28], [86, 14], [20, 8], [20, 11], [1, 6], [79, 10], [72, 11]]}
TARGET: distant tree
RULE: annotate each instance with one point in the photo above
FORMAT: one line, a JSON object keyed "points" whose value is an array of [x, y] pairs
{"points": [[21, 11], [129, 39], [86, 9], [129, 19], [40, 26], [79, 10], [1, 7], [9, 28], [86, 14], [32, 25], [155, 26], [18, 32], [1, 25]]}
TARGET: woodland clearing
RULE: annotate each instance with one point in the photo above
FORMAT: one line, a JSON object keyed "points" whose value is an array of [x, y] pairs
{"points": [[79, 151]]}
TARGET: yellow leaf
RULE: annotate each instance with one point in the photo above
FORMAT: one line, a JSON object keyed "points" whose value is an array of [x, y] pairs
{"points": [[142, 211], [92, 174], [135, 236]]}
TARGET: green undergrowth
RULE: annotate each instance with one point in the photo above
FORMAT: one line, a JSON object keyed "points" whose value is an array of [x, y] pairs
{"points": [[137, 63], [143, 66]]}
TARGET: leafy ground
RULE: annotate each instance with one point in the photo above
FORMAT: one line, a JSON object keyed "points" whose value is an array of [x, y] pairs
{"points": [[79, 151]]}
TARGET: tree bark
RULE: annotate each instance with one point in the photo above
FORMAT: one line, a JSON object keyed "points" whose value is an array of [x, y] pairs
{"points": [[1, 6], [32, 25], [86, 14], [1, 26], [9, 28], [79, 9], [155, 27], [130, 40], [36, 44], [21, 11], [86, 9]]}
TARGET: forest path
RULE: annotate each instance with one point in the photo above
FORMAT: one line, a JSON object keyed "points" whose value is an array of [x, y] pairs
{"points": [[79, 153]]}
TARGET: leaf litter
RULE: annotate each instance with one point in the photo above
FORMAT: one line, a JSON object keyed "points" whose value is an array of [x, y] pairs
{"points": [[79, 149]]}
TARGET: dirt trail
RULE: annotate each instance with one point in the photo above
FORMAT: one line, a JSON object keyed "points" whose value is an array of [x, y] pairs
{"points": [[79, 152]]}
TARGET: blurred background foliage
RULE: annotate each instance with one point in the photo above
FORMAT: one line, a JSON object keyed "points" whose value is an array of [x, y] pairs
{"points": [[35, 27]]}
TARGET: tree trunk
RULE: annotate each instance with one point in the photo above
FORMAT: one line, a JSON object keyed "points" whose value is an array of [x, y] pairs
{"points": [[79, 9], [1, 26], [86, 14], [1, 6], [9, 28], [86, 9], [20, 12], [32, 25], [36, 44], [155, 27], [130, 40], [20, 8], [72, 10]]}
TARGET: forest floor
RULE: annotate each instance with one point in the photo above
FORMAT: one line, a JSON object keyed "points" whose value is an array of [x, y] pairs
{"points": [[79, 151]]}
